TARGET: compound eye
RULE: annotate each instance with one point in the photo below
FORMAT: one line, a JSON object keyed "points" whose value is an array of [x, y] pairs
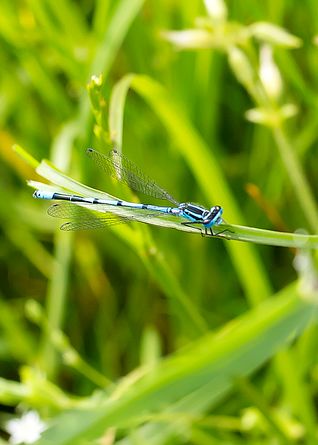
{"points": [[215, 210]]}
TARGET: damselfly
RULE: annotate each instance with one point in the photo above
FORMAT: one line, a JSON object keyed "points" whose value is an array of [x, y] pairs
{"points": [[91, 212]]}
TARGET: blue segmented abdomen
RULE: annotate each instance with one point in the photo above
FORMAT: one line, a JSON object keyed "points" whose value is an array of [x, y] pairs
{"points": [[43, 194]]}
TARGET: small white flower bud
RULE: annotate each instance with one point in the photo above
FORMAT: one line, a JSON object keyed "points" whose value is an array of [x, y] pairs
{"points": [[189, 38], [271, 117], [267, 32], [216, 9], [241, 67], [269, 73]]}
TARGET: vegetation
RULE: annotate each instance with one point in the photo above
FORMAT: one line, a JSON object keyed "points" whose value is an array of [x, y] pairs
{"points": [[141, 334]]}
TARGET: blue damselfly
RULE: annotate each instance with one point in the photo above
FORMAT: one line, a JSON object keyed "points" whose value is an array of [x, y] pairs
{"points": [[91, 213]]}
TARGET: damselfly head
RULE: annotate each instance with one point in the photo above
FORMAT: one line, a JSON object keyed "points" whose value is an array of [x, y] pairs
{"points": [[216, 211], [216, 214]]}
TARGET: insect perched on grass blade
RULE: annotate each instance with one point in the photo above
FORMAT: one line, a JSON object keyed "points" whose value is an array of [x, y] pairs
{"points": [[91, 213]]}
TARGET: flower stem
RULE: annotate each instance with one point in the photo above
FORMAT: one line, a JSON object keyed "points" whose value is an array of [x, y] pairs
{"points": [[297, 178]]}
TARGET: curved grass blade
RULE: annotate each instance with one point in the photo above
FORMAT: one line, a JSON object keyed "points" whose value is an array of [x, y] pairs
{"points": [[121, 168], [209, 366]]}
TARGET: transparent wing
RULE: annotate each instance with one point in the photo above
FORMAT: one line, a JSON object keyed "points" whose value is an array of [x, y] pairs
{"points": [[68, 210], [90, 216], [81, 218], [121, 168], [92, 223]]}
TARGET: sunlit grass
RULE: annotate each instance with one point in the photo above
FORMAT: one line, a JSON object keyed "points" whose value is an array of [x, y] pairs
{"points": [[142, 334]]}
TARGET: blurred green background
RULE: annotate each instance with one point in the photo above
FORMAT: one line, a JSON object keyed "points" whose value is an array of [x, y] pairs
{"points": [[129, 295]]}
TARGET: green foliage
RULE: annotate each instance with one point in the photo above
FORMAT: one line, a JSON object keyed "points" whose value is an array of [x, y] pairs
{"points": [[140, 334]]}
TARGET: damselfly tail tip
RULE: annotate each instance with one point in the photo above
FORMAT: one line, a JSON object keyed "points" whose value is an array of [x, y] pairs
{"points": [[38, 194], [41, 194]]}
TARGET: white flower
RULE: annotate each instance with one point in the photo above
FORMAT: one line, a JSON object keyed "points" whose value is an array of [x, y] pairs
{"points": [[26, 429], [216, 9], [275, 35], [241, 67], [189, 38], [269, 73]]}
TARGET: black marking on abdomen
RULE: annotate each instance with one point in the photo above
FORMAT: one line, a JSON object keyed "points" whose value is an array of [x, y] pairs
{"points": [[119, 203], [63, 197]]}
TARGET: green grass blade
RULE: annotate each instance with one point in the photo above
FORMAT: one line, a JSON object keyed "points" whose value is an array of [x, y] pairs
{"points": [[218, 359], [126, 11], [297, 178], [198, 154]]}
